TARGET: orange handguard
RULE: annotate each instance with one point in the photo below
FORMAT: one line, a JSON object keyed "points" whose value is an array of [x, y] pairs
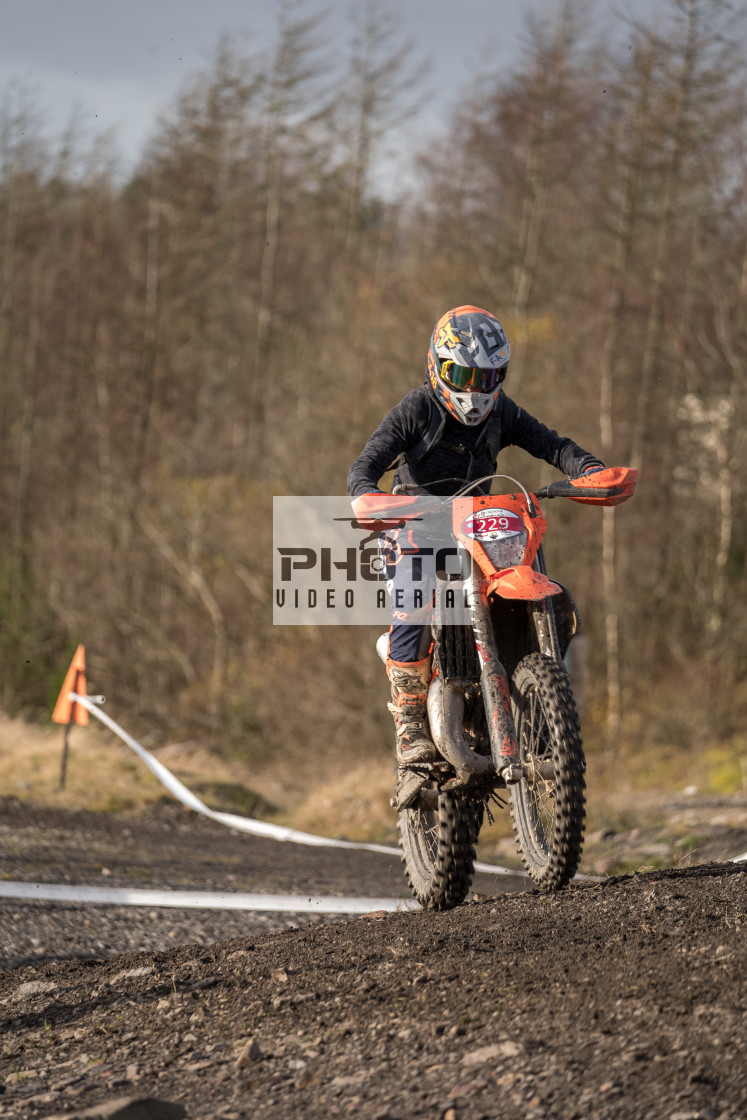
{"points": [[381, 511], [620, 480]]}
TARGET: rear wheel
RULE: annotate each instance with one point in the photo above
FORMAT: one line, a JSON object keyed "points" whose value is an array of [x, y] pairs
{"points": [[548, 804], [437, 837]]}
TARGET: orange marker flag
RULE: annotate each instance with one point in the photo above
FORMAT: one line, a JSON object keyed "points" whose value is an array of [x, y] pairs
{"points": [[65, 711]]}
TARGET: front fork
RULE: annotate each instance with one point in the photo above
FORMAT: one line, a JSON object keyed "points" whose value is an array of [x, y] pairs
{"points": [[543, 616], [494, 685]]}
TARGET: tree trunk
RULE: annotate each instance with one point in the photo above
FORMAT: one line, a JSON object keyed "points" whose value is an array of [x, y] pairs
{"points": [[665, 223]]}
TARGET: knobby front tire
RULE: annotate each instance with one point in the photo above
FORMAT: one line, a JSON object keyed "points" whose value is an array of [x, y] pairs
{"points": [[438, 849], [547, 812]]}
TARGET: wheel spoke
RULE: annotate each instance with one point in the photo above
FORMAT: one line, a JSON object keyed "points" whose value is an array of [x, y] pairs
{"points": [[424, 828], [437, 849]]}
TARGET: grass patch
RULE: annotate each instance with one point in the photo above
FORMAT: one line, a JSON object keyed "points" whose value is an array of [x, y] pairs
{"points": [[726, 769], [634, 866], [233, 797], [326, 793], [103, 775], [353, 805]]}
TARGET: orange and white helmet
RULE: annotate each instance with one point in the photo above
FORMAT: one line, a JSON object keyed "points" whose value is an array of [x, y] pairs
{"points": [[468, 362]]}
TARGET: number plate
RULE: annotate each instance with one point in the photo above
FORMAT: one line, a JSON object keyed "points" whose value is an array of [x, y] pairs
{"points": [[492, 524]]}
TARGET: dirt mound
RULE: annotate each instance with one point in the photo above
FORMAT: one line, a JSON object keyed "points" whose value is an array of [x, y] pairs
{"points": [[619, 999]]}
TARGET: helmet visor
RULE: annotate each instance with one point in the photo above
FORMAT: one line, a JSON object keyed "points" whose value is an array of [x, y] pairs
{"points": [[471, 377]]}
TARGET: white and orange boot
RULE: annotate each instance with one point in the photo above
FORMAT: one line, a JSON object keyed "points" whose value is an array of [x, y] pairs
{"points": [[409, 681]]}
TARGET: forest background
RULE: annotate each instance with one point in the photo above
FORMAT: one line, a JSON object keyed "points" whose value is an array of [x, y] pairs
{"points": [[233, 320]]}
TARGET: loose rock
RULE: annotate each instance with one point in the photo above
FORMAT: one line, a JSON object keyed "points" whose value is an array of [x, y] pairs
{"points": [[33, 988], [144, 1108], [251, 1053]]}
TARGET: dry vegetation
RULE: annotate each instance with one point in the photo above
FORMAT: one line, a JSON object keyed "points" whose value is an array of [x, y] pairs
{"points": [[232, 320], [637, 817]]}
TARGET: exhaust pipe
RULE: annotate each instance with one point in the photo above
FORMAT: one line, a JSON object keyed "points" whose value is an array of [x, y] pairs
{"points": [[446, 718]]}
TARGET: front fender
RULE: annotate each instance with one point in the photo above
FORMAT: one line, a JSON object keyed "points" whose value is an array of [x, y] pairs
{"points": [[522, 582]]}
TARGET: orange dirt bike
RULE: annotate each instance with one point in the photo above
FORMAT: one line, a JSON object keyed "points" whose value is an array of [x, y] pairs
{"points": [[500, 707]]}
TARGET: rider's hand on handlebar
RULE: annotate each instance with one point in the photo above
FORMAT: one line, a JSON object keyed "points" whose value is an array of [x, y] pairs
{"points": [[378, 510]]}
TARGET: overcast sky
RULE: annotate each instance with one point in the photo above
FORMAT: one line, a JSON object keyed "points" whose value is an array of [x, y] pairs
{"points": [[119, 61]]}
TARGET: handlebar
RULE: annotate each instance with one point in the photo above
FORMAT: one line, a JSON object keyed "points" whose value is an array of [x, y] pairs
{"points": [[608, 487], [464, 487], [403, 488], [564, 488]]}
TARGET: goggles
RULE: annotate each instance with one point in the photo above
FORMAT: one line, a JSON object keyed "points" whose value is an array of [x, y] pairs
{"points": [[471, 377]]}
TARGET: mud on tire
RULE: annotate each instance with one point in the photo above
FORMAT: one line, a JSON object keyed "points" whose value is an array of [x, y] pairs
{"points": [[438, 847], [548, 812]]}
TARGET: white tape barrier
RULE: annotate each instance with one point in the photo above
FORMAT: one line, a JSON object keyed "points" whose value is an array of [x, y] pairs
{"points": [[262, 828], [241, 824], [244, 824], [204, 900]]}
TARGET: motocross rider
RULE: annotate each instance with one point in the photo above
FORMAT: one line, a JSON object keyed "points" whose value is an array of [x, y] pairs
{"points": [[444, 433]]}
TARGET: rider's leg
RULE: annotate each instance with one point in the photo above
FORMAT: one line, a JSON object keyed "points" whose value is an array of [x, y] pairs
{"points": [[408, 667]]}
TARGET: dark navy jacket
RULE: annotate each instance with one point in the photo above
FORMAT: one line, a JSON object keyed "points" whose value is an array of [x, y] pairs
{"points": [[454, 460]]}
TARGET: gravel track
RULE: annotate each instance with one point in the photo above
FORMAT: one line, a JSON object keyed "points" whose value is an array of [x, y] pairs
{"points": [[612, 1000], [174, 850]]}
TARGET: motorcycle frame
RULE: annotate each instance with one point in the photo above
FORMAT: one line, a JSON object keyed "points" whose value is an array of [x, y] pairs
{"points": [[526, 581], [486, 583]]}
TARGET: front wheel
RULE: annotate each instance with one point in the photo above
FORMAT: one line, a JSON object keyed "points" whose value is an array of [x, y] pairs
{"points": [[547, 805], [437, 837]]}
